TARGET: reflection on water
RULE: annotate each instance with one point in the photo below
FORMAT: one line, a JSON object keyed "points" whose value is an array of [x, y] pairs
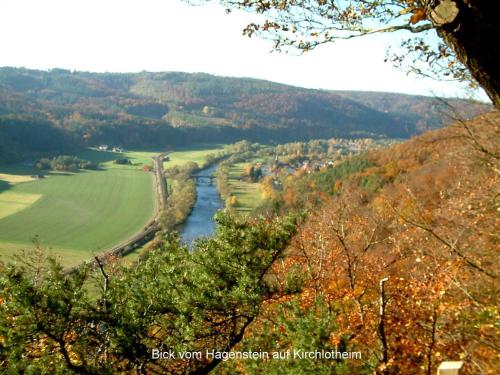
{"points": [[200, 222]]}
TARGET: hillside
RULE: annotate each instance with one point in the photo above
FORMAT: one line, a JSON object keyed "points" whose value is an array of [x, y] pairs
{"points": [[420, 112], [155, 109], [393, 271], [415, 219]]}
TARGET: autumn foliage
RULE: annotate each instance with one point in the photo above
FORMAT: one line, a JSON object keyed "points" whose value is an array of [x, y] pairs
{"points": [[431, 228]]}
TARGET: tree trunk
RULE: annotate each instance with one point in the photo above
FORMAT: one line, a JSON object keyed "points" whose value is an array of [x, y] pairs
{"points": [[473, 33]]}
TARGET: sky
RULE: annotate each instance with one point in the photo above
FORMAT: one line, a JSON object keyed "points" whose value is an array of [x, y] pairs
{"points": [[169, 35]]}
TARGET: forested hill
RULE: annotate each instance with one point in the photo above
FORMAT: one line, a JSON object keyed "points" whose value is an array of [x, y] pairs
{"points": [[60, 109]]}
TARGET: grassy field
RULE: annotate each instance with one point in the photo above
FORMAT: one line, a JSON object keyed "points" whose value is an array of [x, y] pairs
{"points": [[75, 214], [12, 202], [247, 193], [105, 158], [139, 158], [182, 156]]}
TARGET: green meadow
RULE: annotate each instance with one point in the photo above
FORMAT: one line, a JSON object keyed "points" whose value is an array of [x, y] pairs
{"points": [[196, 154], [105, 158], [247, 193], [75, 214]]}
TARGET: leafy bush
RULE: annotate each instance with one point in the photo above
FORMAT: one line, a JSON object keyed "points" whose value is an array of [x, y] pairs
{"points": [[64, 163], [122, 161]]}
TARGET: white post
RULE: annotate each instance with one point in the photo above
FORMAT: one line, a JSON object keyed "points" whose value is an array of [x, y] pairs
{"points": [[450, 368]]}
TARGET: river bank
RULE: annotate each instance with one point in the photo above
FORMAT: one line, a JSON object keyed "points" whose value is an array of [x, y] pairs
{"points": [[200, 221]]}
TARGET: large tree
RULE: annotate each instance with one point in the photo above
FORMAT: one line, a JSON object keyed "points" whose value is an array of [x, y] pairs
{"points": [[111, 319], [467, 30]]}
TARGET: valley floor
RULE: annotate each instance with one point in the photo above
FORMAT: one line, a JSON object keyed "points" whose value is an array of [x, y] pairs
{"points": [[248, 194], [74, 214]]}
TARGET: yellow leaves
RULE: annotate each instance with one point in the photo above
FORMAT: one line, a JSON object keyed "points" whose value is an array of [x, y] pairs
{"points": [[247, 170], [418, 15], [334, 339], [337, 186], [390, 169], [231, 201], [267, 189]]}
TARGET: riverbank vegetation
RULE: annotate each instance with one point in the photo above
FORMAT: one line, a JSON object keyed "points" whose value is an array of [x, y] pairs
{"points": [[203, 154], [181, 195], [256, 177], [180, 184], [241, 152], [244, 184]]}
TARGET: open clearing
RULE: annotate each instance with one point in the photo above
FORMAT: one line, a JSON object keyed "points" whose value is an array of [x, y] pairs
{"points": [[247, 193], [12, 202], [178, 156], [197, 155], [76, 214], [106, 158], [14, 178]]}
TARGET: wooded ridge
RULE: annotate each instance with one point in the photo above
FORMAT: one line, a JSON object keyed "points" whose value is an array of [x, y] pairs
{"points": [[56, 110]]}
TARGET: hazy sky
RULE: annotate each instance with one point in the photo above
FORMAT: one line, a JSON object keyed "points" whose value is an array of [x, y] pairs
{"points": [[168, 35]]}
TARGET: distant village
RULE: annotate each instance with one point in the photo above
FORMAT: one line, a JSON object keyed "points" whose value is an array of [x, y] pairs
{"points": [[305, 157], [110, 148], [306, 165], [316, 155]]}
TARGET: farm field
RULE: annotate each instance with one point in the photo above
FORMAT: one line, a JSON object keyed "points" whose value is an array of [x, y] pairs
{"points": [[248, 194], [178, 156], [197, 155], [105, 158], [75, 214]]}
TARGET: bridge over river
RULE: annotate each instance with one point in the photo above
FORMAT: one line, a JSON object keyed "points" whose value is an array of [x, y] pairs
{"points": [[199, 178]]}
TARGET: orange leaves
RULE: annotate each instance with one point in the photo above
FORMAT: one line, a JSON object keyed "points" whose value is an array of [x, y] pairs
{"points": [[382, 206], [406, 209], [418, 15], [438, 307]]}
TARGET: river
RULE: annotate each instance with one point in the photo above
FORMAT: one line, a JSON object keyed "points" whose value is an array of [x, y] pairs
{"points": [[200, 222]]}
